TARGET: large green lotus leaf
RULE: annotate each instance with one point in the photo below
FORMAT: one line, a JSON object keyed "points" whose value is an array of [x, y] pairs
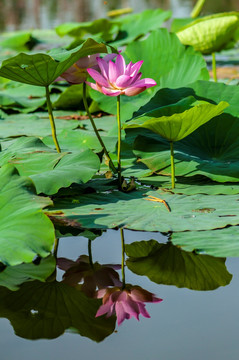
{"points": [[22, 96], [191, 186], [103, 28], [46, 310], [13, 276], [42, 69], [175, 66], [179, 125], [48, 169], [211, 33], [167, 264], [77, 140], [223, 242], [135, 25], [36, 124], [212, 150], [135, 211], [25, 230]]}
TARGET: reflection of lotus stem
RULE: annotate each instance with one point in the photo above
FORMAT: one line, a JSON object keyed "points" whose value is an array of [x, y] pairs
{"points": [[123, 252], [119, 141], [96, 130], [56, 244], [197, 9], [172, 166], [90, 254], [51, 117], [214, 67]]}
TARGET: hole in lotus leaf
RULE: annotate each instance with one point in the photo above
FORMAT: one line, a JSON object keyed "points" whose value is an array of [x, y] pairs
{"points": [[34, 312], [98, 208], [205, 210], [23, 66]]}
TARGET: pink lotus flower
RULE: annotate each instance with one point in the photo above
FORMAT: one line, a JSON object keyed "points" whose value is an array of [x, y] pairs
{"points": [[77, 73], [118, 79], [81, 271], [126, 303]]}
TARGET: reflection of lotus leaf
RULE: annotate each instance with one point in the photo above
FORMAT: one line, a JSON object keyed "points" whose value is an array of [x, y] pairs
{"points": [[169, 265], [46, 310], [211, 33]]}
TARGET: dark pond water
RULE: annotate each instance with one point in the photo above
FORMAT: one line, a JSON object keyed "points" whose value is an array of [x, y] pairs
{"points": [[25, 14], [186, 325]]}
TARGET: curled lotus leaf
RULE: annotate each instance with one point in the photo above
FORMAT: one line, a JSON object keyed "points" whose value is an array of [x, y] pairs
{"points": [[179, 125], [211, 33]]}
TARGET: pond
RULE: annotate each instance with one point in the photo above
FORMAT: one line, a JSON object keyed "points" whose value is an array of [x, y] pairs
{"points": [[119, 181], [186, 322]]}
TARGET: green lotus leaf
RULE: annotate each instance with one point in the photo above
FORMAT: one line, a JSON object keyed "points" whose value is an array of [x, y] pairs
{"points": [[103, 28], [19, 40], [167, 264], [212, 150], [25, 230], [48, 169], [36, 124], [133, 26], [13, 276], [138, 211], [211, 33], [42, 69], [191, 185], [179, 125], [46, 310], [223, 242]]}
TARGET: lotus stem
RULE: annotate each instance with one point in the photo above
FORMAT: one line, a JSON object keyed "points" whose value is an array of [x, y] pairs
{"points": [[90, 254], [119, 142], [111, 165], [197, 8], [123, 257], [172, 165], [51, 117], [56, 245], [214, 67]]}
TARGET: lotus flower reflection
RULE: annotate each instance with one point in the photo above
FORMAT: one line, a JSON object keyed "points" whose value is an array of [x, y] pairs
{"points": [[117, 78], [81, 271], [125, 303]]}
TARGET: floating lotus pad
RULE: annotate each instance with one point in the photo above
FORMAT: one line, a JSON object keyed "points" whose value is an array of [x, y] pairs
{"points": [[23, 224], [133, 211]]}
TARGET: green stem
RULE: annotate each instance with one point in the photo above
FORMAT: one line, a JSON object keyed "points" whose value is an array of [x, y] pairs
{"points": [[197, 9], [51, 117], [123, 257], [56, 245], [119, 141], [96, 130], [90, 254], [172, 166], [214, 67]]}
